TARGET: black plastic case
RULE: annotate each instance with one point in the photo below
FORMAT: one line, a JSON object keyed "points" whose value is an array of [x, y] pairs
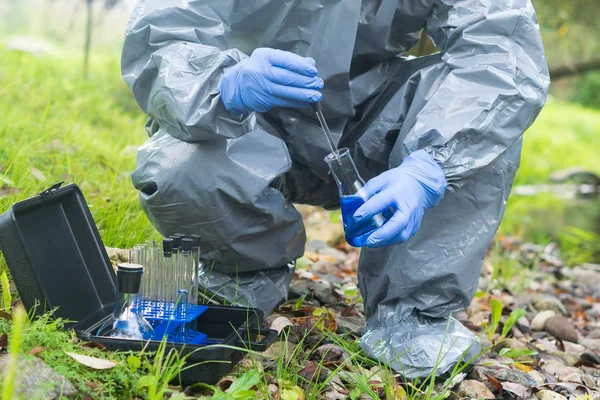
{"points": [[57, 260]]}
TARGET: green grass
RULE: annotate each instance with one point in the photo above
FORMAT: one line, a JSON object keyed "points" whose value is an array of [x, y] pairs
{"points": [[50, 337], [72, 129], [563, 136]]}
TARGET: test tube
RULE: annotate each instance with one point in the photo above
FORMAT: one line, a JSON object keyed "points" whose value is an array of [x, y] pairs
{"points": [[176, 263], [149, 271], [156, 282], [167, 267], [181, 314], [143, 261], [196, 271], [187, 267]]}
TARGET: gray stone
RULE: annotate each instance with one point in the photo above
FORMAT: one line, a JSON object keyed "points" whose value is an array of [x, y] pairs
{"points": [[539, 321], [323, 266], [319, 290], [544, 302], [559, 370], [352, 324], [594, 312], [474, 390], [461, 316], [573, 377], [591, 357], [560, 327], [573, 348], [505, 374], [483, 284], [36, 380], [539, 378], [333, 279], [588, 381], [322, 291], [299, 288], [524, 322], [339, 255], [585, 277], [520, 391], [590, 344], [595, 267], [316, 245], [550, 395]]}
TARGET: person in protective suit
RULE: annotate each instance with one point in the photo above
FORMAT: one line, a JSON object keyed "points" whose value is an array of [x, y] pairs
{"points": [[226, 85]]}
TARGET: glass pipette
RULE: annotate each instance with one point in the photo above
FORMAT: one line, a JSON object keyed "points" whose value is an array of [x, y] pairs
{"points": [[319, 111]]}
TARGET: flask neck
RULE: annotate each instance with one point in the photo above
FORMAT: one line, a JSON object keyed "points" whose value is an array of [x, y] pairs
{"points": [[344, 172]]}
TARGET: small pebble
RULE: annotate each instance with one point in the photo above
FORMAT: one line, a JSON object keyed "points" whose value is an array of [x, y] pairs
{"points": [[543, 302], [585, 277], [524, 322], [325, 267], [538, 322], [537, 376], [574, 377], [574, 348], [314, 246], [559, 370], [590, 357], [338, 255], [560, 327], [588, 381], [474, 389]]}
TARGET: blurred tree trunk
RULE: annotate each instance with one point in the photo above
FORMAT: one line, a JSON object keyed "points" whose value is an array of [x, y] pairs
{"points": [[88, 36], [574, 69]]}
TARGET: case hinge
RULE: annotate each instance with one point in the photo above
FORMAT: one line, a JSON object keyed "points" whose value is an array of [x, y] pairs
{"points": [[51, 189]]}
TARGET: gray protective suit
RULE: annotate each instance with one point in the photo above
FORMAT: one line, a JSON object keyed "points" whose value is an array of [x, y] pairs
{"points": [[233, 179]]}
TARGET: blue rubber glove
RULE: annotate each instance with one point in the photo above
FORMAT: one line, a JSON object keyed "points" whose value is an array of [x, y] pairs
{"points": [[416, 185], [270, 78]]}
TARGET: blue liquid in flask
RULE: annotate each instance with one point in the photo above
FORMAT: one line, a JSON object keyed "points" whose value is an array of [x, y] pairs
{"points": [[358, 233]]}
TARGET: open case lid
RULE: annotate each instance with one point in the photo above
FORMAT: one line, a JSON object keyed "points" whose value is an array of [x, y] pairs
{"points": [[56, 257]]}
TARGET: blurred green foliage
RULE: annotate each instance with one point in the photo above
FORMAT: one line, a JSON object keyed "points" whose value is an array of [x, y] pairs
{"points": [[588, 90]]}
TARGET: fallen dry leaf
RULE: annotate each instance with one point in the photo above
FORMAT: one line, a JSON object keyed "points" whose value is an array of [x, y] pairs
{"points": [[36, 350], [519, 390], [92, 362], [273, 388], [349, 310], [94, 345], [496, 384], [39, 175], [523, 367], [280, 323], [309, 371], [225, 382]]}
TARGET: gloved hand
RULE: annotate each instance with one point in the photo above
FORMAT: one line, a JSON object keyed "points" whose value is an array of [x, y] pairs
{"points": [[270, 78], [416, 185]]}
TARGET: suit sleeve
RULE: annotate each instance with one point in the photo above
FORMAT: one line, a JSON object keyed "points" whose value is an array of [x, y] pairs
{"points": [[174, 55], [488, 89]]}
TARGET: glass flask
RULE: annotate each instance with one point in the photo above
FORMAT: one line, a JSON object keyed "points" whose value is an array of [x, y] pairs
{"points": [[127, 321], [352, 196]]}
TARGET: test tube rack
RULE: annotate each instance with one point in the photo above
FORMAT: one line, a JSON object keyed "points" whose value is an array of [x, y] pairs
{"points": [[166, 320]]}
